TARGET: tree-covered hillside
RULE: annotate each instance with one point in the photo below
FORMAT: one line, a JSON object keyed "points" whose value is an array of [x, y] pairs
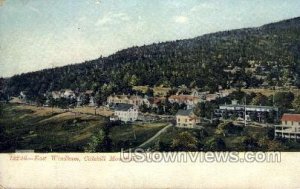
{"points": [[252, 57]]}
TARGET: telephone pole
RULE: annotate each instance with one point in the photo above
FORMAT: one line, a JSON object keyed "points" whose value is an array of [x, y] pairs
{"points": [[245, 112]]}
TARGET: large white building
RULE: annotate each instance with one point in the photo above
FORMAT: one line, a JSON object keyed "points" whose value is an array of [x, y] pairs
{"points": [[241, 110], [289, 128], [125, 112]]}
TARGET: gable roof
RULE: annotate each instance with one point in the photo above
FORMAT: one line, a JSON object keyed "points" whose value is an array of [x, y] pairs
{"points": [[291, 117], [183, 97], [89, 91], [123, 107], [155, 100], [185, 112], [127, 97]]}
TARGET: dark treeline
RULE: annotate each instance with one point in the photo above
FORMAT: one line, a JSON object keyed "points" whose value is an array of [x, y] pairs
{"points": [[193, 62]]}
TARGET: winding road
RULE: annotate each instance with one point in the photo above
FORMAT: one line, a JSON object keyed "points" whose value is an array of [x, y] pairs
{"points": [[155, 136]]}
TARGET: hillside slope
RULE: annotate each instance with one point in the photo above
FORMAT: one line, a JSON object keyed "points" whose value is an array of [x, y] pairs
{"points": [[268, 53]]}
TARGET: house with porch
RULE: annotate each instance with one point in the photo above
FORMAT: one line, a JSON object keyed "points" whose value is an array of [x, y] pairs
{"points": [[125, 113], [247, 112], [289, 127]]}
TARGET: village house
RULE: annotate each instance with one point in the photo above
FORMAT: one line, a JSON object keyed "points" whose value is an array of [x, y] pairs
{"points": [[215, 96], [65, 93], [289, 128], [146, 101], [56, 94], [195, 93], [68, 93], [244, 111], [22, 95], [211, 97], [125, 113], [79, 100], [125, 99], [186, 119], [153, 102], [188, 100], [92, 101]]}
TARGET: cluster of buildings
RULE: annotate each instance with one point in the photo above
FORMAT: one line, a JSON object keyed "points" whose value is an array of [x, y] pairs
{"points": [[189, 100], [130, 103], [79, 97], [126, 108], [135, 100], [245, 111], [194, 97]]}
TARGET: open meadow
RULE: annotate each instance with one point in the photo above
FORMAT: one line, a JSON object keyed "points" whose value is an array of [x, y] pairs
{"points": [[42, 129]]}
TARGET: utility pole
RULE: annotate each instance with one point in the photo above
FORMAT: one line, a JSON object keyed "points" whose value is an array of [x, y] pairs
{"points": [[273, 99], [134, 134], [245, 121]]}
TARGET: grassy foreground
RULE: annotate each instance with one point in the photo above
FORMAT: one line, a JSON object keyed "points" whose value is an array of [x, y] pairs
{"points": [[44, 130]]}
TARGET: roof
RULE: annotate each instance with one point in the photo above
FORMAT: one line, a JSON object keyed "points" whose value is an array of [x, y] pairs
{"points": [[183, 97], [185, 112], [123, 107], [248, 107], [89, 92], [133, 97], [291, 117], [155, 100]]}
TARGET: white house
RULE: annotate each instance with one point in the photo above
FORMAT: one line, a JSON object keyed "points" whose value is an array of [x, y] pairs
{"points": [[22, 95], [92, 101], [289, 128], [68, 93], [56, 94], [125, 112]]}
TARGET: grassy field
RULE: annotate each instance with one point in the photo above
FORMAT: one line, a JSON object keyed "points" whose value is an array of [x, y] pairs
{"points": [[269, 92], [91, 110], [36, 128], [42, 130], [102, 111], [131, 136]]}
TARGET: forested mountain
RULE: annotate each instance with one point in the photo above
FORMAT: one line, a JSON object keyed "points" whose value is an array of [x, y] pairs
{"points": [[251, 57]]}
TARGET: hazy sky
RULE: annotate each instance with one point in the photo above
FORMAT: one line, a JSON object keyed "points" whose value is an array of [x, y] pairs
{"points": [[37, 34]]}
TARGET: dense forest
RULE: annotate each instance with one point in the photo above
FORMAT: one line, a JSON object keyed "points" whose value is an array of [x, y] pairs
{"points": [[270, 53]]}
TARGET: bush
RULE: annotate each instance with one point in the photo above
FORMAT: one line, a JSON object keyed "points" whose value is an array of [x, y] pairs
{"points": [[215, 144]]}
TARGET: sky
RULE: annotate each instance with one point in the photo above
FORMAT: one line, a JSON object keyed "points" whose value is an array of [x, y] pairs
{"points": [[38, 34]]}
